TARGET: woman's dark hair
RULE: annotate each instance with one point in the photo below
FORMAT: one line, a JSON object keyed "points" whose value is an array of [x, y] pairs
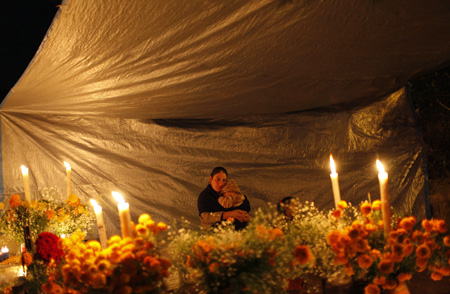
{"points": [[284, 202], [217, 170]]}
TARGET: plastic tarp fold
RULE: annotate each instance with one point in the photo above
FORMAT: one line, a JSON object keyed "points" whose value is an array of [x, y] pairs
{"points": [[160, 166]]}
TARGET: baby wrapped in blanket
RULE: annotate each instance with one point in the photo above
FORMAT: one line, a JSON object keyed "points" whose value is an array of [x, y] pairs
{"points": [[231, 195]]}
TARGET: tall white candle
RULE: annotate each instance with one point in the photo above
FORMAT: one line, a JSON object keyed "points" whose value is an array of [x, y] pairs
{"points": [[384, 195], [26, 183], [124, 215], [69, 178], [100, 224], [334, 182]]}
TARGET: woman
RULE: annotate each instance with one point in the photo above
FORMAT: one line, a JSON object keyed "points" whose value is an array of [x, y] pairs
{"points": [[209, 208]]}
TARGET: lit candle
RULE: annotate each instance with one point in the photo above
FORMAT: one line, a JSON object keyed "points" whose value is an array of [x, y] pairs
{"points": [[334, 182], [69, 181], [384, 195], [100, 223], [26, 183], [124, 215]]}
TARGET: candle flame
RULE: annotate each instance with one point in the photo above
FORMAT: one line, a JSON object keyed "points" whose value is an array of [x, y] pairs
{"points": [[93, 202], [380, 167], [118, 197], [67, 165], [332, 165], [24, 170], [97, 208], [5, 249]]}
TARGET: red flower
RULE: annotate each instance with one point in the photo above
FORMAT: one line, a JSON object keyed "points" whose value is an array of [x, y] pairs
{"points": [[47, 248]]}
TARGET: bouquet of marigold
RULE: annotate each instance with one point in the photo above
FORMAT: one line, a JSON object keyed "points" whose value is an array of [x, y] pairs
{"points": [[363, 251], [128, 265], [46, 215], [253, 260]]}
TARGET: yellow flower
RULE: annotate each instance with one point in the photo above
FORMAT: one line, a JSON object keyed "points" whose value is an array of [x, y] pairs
{"points": [[376, 205], [342, 204], [73, 200], [94, 245], [144, 218]]}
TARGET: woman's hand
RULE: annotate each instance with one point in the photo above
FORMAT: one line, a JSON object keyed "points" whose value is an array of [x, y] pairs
{"points": [[238, 214]]}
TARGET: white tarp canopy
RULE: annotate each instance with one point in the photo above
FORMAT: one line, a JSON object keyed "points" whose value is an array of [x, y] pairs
{"points": [[146, 97]]}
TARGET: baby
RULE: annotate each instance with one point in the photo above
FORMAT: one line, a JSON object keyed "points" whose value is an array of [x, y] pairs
{"points": [[232, 196]]}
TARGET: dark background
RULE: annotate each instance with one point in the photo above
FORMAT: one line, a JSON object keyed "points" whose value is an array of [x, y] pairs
{"points": [[24, 24]]}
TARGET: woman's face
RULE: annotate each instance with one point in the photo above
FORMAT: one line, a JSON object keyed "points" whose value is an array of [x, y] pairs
{"points": [[218, 181]]}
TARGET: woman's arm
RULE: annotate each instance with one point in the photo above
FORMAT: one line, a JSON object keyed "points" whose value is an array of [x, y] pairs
{"points": [[238, 214], [209, 218]]}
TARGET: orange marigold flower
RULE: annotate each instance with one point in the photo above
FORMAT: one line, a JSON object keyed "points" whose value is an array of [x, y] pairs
{"points": [[50, 214], [337, 213], [421, 262], [295, 284], [365, 208], [27, 258], [372, 289], [402, 277], [447, 240], [398, 252], [303, 254], [361, 245], [427, 225], [342, 204], [15, 201], [353, 233], [423, 251], [386, 266], [435, 276], [375, 253], [348, 269], [441, 226], [409, 248], [213, 267], [376, 205], [364, 261], [390, 285], [99, 280], [379, 280], [370, 227], [408, 223], [340, 259], [161, 226], [333, 237]]}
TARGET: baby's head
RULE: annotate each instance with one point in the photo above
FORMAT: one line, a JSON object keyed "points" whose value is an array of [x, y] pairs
{"points": [[230, 188]]}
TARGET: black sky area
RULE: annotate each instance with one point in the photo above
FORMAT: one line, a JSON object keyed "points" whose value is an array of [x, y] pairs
{"points": [[23, 25]]}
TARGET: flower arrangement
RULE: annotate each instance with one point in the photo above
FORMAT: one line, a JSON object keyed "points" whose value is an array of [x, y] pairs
{"points": [[128, 265], [257, 259], [47, 256], [46, 215], [387, 264]]}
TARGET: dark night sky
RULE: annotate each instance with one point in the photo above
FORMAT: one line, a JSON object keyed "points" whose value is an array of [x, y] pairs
{"points": [[23, 25]]}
